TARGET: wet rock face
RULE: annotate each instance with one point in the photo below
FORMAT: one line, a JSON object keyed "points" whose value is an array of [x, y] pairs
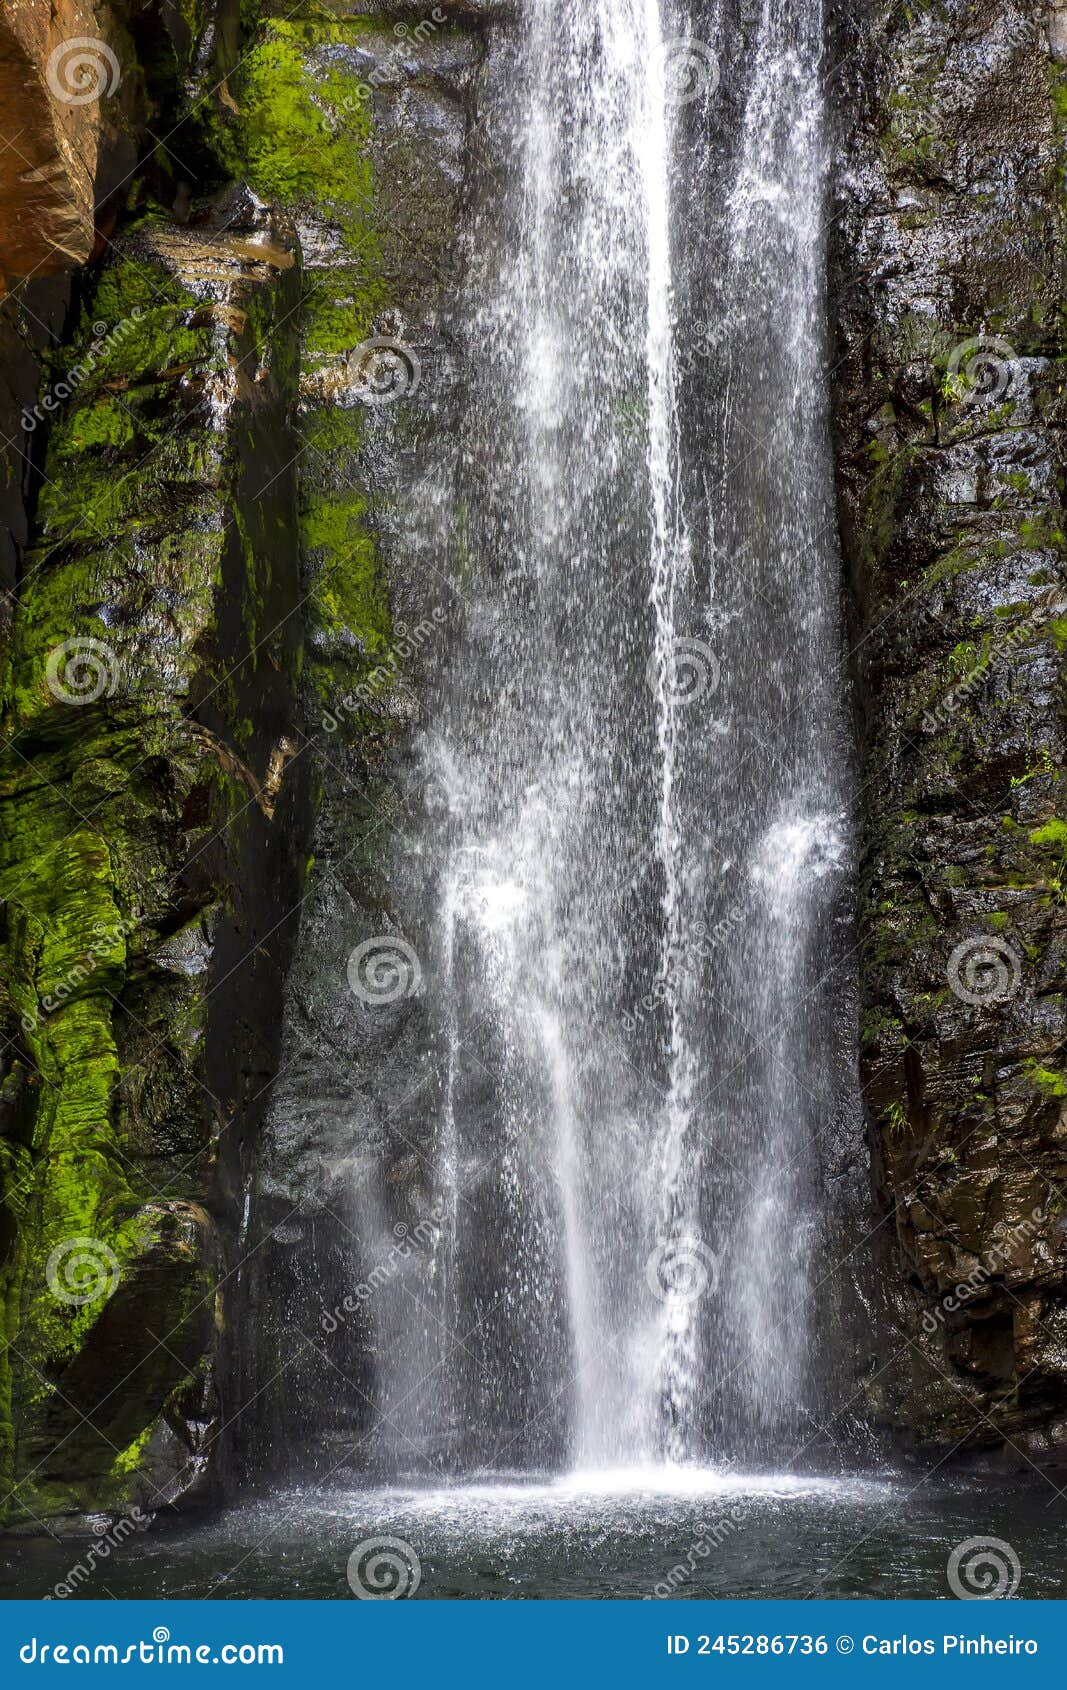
{"points": [[152, 823], [150, 856], [384, 279], [220, 408], [947, 253]]}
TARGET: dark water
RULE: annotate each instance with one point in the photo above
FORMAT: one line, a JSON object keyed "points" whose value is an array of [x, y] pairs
{"points": [[775, 1537]]}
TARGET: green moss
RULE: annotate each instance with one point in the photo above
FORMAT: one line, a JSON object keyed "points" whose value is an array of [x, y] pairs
{"points": [[1046, 1081], [303, 142], [350, 593], [1053, 833], [136, 517], [305, 124], [148, 545], [340, 306], [129, 1460]]}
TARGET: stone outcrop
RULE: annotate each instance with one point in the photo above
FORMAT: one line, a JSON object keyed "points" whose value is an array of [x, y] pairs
{"points": [[204, 534], [948, 283], [153, 814], [55, 75], [380, 203], [148, 860]]}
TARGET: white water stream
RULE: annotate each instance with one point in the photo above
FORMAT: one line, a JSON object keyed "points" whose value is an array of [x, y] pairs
{"points": [[636, 768]]}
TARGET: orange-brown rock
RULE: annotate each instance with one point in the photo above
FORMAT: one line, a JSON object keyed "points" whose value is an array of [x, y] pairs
{"points": [[56, 69]]}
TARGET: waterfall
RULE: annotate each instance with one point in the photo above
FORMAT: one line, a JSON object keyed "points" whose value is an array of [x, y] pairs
{"points": [[633, 775]]}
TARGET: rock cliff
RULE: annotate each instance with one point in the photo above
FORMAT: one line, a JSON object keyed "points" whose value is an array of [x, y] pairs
{"points": [[234, 268], [948, 385]]}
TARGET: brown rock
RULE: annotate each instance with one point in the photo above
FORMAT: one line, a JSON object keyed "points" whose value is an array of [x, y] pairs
{"points": [[56, 68]]}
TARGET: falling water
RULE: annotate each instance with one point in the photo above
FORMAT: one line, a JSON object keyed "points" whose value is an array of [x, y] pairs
{"points": [[633, 783]]}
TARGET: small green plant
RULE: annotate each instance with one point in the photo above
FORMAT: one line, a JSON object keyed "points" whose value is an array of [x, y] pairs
{"points": [[896, 1120], [1042, 765]]}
